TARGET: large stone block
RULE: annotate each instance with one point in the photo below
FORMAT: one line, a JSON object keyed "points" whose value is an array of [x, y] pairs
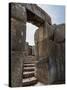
{"points": [[51, 48], [52, 63], [33, 50], [38, 12], [41, 41], [13, 40], [59, 34], [43, 48], [40, 32], [16, 69], [36, 36], [60, 61], [56, 62], [42, 70], [18, 11], [52, 74], [50, 31], [56, 56], [18, 34]]}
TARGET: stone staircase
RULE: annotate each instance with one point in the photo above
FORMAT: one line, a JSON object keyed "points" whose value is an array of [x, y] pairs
{"points": [[30, 60], [29, 78]]}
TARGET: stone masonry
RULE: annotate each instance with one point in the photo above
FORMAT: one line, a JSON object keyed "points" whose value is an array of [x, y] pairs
{"points": [[49, 45], [18, 35], [51, 69]]}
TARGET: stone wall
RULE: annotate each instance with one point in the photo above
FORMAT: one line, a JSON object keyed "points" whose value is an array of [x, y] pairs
{"points": [[50, 67], [49, 44], [41, 44], [18, 35], [59, 38], [33, 50], [57, 55]]}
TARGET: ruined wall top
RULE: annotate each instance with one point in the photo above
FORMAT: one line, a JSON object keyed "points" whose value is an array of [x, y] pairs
{"points": [[33, 8]]}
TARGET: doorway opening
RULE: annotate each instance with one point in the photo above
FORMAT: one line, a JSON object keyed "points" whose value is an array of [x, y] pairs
{"points": [[30, 43], [30, 31], [34, 28]]}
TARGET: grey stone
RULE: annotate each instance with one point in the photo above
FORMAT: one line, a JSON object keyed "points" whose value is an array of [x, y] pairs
{"points": [[18, 12], [49, 45], [42, 70], [50, 31], [17, 40], [59, 34], [16, 69]]}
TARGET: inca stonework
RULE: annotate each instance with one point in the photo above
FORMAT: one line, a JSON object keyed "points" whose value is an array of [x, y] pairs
{"points": [[48, 54]]}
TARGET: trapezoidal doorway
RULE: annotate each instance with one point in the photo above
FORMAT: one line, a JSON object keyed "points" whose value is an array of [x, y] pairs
{"points": [[33, 51]]}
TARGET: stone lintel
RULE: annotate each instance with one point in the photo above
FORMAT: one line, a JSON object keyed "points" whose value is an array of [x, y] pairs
{"points": [[18, 9]]}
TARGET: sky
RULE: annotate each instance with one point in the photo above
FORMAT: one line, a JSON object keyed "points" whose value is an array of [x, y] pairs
{"points": [[30, 30], [57, 14]]}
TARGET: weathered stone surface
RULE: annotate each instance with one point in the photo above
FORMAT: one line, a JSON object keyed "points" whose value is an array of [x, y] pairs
{"points": [[56, 56], [50, 31], [18, 12], [42, 70], [30, 60], [54, 50], [38, 12], [17, 39], [59, 34], [40, 15], [16, 69], [41, 34], [52, 62], [36, 36], [18, 36], [49, 45], [60, 51], [41, 41], [60, 60], [33, 50], [43, 50], [26, 49], [51, 48]]}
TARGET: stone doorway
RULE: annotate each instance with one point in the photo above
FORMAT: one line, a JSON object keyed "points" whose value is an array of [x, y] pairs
{"points": [[20, 14], [49, 47], [30, 60]]}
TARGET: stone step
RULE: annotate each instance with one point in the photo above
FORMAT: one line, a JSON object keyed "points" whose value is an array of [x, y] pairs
{"points": [[28, 74], [29, 59], [30, 62], [29, 69], [29, 81], [29, 65]]}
